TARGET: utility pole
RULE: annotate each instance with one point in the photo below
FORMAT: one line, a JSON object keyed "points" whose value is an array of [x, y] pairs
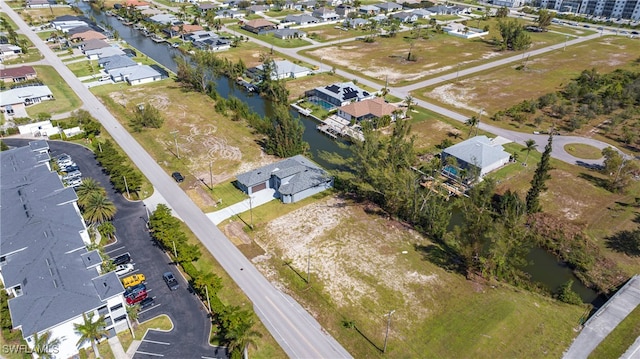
{"points": [[309, 266], [384, 348], [175, 139], [175, 253], [210, 175]]}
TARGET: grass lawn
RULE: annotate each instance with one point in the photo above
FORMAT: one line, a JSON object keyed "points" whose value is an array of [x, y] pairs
{"points": [[438, 314], [329, 32], [386, 58], [269, 38], [81, 69], [31, 56], [44, 15], [583, 151], [282, 13], [65, 99], [500, 88], [621, 338], [8, 19], [161, 322]]}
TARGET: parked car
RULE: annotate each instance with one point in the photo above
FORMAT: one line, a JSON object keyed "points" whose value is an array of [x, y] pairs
{"points": [[171, 280], [75, 182], [71, 168], [132, 280], [147, 302], [123, 269], [72, 175], [177, 176], [136, 298], [135, 289], [122, 259]]}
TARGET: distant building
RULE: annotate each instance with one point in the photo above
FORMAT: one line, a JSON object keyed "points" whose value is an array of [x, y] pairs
{"points": [[259, 26], [625, 9], [479, 155], [286, 34], [283, 69], [293, 179], [325, 14], [301, 19], [338, 94], [45, 266], [9, 51], [388, 6]]}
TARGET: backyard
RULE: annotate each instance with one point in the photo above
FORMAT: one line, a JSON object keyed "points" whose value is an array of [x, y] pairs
{"points": [[65, 99]]}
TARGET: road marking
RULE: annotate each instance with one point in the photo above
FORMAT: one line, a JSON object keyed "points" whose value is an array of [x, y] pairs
{"points": [[115, 249], [155, 342], [152, 307], [152, 354], [203, 357]]}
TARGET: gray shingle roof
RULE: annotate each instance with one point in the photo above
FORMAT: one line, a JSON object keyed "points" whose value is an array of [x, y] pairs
{"points": [[116, 62], [40, 240], [296, 173], [478, 151]]}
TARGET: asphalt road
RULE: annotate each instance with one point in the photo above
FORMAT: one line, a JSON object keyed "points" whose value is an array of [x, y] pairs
{"points": [[190, 335], [297, 332]]}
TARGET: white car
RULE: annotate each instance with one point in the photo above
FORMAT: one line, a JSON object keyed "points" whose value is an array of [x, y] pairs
{"points": [[123, 269]]}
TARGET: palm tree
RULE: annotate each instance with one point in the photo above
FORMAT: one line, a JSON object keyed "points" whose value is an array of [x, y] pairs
{"points": [[98, 208], [91, 331], [409, 102], [132, 312], [472, 122], [529, 145], [88, 187], [43, 344], [243, 341]]}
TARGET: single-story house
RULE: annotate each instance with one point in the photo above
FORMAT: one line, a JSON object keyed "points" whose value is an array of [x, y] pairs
{"points": [[368, 9], [478, 154], [213, 44], [344, 10], [422, 13], [407, 17], [8, 50], [88, 35], [289, 34], [355, 23], [308, 4], [291, 5], [103, 52], [116, 62], [259, 26], [17, 74], [463, 31], [150, 12], [15, 100], [389, 6], [367, 110], [301, 19], [66, 22], [325, 14], [174, 31], [293, 179], [135, 75], [165, 19], [33, 4], [42, 128], [207, 6], [444, 10], [258, 9], [230, 14], [338, 94], [283, 69], [93, 44], [378, 18]]}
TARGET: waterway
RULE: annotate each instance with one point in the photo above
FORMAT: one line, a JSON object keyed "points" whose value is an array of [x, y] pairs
{"points": [[226, 87], [544, 269]]}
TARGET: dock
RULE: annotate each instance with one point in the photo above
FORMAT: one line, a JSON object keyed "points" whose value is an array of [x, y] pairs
{"points": [[246, 84], [327, 130], [157, 39]]}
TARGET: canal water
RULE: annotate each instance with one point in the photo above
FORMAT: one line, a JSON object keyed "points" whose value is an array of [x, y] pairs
{"points": [[544, 269], [226, 87]]}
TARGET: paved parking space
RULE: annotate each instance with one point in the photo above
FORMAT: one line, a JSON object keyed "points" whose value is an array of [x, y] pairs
{"points": [[190, 335]]}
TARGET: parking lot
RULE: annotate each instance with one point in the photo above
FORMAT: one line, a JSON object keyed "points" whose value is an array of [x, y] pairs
{"points": [[189, 337]]}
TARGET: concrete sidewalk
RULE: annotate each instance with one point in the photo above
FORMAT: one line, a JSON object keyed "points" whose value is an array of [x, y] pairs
{"points": [[257, 199], [152, 203], [117, 349]]}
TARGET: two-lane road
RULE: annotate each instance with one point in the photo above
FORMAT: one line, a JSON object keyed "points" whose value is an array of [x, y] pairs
{"points": [[299, 334]]}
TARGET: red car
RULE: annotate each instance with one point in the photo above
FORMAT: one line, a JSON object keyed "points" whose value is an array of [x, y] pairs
{"points": [[136, 297]]}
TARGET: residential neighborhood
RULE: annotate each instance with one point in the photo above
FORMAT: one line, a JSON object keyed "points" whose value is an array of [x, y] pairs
{"points": [[318, 179]]}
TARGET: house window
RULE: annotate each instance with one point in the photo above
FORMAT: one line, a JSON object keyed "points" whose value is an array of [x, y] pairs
{"points": [[116, 307]]}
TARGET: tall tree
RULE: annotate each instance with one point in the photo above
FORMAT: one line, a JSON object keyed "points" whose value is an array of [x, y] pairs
{"points": [[514, 36], [284, 135], [619, 169], [539, 178], [91, 331], [529, 145], [502, 12], [146, 116], [98, 208], [544, 18]]}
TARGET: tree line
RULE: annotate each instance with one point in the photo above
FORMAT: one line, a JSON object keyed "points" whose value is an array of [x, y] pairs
{"points": [[233, 325], [123, 176], [282, 132]]}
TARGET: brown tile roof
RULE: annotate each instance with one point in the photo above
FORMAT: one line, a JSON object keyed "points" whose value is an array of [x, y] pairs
{"points": [[376, 107], [17, 72], [134, 3], [88, 35], [186, 28], [257, 23]]}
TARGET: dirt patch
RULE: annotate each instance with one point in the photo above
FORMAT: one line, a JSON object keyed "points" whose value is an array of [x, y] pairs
{"points": [[351, 266], [451, 94], [235, 231]]}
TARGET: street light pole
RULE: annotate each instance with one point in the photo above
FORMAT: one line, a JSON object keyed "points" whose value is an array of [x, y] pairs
{"points": [[384, 348], [175, 139]]}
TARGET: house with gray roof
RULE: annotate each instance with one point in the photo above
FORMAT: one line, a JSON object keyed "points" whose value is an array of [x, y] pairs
{"points": [[135, 75], [405, 16], [293, 179], [283, 69], [301, 19], [368, 9], [477, 155], [355, 23], [116, 62], [14, 101], [103, 52], [93, 44], [286, 34], [389, 6], [44, 264], [338, 94]]}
